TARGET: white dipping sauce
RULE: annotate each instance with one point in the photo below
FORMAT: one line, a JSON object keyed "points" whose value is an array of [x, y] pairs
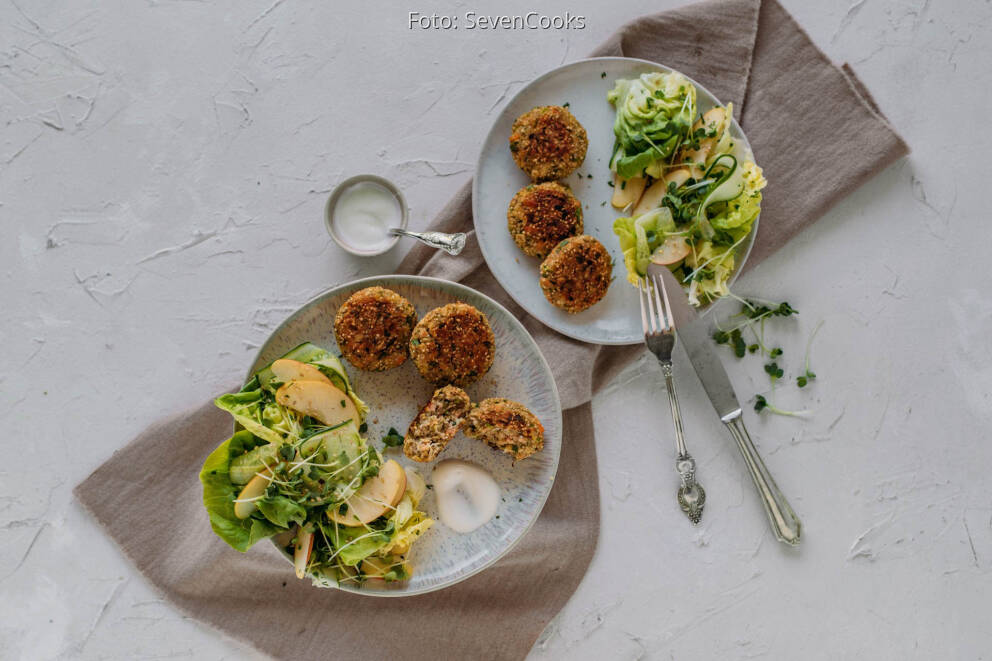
{"points": [[363, 214], [467, 495]]}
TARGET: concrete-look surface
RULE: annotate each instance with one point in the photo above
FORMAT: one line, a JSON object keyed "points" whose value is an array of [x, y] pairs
{"points": [[163, 166]]}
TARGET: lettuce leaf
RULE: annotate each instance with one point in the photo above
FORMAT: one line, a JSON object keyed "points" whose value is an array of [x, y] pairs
{"points": [[655, 112], [639, 237], [282, 511], [219, 494], [355, 543], [739, 213], [258, 412]]}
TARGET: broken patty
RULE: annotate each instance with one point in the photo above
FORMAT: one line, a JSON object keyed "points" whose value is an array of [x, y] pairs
{"points": [[505, 425], [436, 424]]}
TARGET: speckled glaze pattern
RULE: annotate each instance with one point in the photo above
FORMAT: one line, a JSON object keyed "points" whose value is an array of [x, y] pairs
{"points": [[519, 372]]}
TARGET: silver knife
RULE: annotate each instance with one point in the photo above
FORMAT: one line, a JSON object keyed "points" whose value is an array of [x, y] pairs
{"points": [[695, 336]]}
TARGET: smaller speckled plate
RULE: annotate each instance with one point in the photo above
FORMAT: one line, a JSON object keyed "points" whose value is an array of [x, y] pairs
{"points": [[442, 557]]}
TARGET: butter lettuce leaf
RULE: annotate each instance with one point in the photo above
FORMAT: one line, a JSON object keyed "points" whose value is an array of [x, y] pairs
{"points": [[219, 494], [257, 411]]}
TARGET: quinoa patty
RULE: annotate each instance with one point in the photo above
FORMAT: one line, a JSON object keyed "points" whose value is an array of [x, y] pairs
{"points": [[542, 215], [453, 344], [436, 424], [505, 425], [576, 274], [548, 143], [373, 328]]}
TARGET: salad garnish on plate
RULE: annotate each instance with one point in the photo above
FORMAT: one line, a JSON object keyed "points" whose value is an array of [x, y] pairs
{"points": [[300, 472], [691, 189]]}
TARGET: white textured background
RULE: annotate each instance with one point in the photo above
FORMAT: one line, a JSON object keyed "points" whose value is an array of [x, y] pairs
{"points": [[162, 170]]}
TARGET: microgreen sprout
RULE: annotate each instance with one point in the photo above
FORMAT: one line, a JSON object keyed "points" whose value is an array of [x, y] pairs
{"points": [[774, 371], [808, 375], [761, 403]]}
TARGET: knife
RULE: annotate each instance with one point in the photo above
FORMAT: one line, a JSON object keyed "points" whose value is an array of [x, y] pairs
{"points": [[693, 333]]}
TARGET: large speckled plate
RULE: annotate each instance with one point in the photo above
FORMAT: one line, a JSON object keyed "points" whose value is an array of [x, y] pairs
{"points": [[442, 557], [583, 86]]}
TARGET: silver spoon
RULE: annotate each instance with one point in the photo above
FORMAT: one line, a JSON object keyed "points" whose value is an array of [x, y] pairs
{"points": [[449, 243]]}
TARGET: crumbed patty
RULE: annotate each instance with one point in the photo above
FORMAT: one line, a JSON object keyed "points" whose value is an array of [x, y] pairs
{"points": [[540, 216], [548, 143], [436, 424], [505, 425], [453, 344], [373, 328], [576, 274]]}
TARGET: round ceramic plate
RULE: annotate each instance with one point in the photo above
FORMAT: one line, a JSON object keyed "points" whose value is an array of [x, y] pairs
{"points": [[442, 557], [583, 86]]}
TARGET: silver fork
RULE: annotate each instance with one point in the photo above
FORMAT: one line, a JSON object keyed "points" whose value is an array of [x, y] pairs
{"points": [[659, 336]]}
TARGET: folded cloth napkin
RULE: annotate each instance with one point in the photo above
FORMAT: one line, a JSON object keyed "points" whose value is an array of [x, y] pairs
{"points": [[802, 116]]}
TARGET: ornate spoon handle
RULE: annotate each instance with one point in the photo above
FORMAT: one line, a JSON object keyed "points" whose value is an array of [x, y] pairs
{"points": [[785, 524], [449, 243]]}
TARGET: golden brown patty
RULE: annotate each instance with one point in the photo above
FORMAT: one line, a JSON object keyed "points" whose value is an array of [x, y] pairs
{"points": [[453, 344], [548, 143], [436, 424], [542, 215], [577, 273], [505, 425], [373, 328]]}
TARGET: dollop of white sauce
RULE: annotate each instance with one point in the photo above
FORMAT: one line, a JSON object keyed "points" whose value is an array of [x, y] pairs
{"points": [[467, 495], [363, 215]]}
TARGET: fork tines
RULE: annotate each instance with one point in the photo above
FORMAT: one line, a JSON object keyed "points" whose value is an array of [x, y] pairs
{"points": [[655, 317]]}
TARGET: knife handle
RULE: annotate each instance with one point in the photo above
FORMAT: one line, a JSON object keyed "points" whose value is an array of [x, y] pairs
{"points": [[785, 524]]}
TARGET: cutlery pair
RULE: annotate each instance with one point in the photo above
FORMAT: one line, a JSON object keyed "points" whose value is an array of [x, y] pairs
{"points": [[659, 319]]}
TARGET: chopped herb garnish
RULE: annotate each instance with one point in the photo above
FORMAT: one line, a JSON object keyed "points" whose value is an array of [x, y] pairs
{"points": [[393, 438]]}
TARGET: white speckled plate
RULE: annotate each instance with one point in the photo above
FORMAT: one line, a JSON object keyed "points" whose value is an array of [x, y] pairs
{"points": [[615, 319], [442, 557]]}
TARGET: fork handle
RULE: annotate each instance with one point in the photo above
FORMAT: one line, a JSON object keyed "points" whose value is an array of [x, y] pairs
{"points": [[785, 524], [673, 400]]}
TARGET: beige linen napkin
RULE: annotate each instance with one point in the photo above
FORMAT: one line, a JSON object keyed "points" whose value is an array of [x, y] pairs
{"points": [[802, 115]]}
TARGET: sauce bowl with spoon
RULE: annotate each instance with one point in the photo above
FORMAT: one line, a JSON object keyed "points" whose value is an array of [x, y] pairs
{"points": [[366, 214]]}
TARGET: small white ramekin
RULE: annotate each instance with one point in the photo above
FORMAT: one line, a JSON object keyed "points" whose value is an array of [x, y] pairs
{"points": [[333, 200]]}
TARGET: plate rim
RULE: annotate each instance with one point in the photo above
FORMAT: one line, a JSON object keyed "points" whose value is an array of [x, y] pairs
{"points": [[550, 323], [439, 283]]}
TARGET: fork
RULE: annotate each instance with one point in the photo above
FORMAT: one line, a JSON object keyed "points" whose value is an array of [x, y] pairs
{"points": [[659, 336]]}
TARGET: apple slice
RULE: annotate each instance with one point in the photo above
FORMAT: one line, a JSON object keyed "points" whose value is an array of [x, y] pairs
{"points": [[373, 498], [319, 400], [626, 191], [304, 547], [673, 249], [655, 193], [246, 501], [287, 370]]}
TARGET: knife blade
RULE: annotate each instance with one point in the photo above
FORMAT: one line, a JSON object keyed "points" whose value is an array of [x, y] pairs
{"points": [[693, 332]]}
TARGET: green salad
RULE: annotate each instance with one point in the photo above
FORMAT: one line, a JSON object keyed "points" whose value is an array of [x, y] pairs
{"points": [[301, 473], [691, 191]]}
